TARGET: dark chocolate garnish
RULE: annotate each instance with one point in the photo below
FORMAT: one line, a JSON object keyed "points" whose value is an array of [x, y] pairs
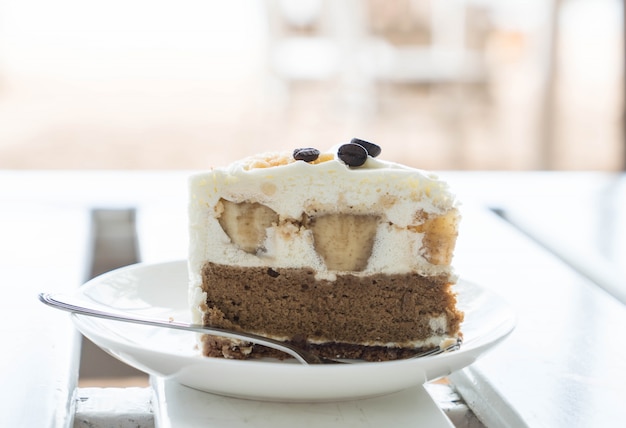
{"points": [[352, 154], [372, 149], [307, 154]]}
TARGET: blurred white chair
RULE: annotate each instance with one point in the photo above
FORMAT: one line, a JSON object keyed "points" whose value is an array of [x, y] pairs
{"points": [[445, 59], [319, 40]]}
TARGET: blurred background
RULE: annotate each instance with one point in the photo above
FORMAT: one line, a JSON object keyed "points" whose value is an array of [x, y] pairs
{"points": [[475, 84]]}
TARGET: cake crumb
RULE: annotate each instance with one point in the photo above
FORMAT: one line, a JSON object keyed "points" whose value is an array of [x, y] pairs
{"points": [[448, 343], [268, 160]]}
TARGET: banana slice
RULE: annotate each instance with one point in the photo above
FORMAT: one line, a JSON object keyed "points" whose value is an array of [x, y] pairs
{"points": [[246, 223], [344, 241], [439, 238]]}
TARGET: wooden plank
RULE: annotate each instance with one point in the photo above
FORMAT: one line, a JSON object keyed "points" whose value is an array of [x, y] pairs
{"points": [[564, 363], [179, 406], [42, 248], [114, 407]]}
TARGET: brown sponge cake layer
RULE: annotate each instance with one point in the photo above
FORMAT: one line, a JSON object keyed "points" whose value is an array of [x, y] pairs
{"points": [[387, 312]]}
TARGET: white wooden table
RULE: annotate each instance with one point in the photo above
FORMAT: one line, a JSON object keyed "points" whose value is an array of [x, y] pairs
{"points": [[565, 364]]}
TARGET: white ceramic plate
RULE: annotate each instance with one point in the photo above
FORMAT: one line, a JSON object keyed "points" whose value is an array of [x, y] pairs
{"points": [[160, 290]]}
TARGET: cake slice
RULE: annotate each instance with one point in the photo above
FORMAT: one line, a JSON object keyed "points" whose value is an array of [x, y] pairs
{"points": [[339, 252]]}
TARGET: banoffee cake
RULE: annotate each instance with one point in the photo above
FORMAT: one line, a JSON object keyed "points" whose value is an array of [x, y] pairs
{"points": [[339, 252]]}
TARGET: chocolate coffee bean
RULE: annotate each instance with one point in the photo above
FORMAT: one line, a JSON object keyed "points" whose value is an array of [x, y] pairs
{"points": [[352, 154], [372, 149], [307, 154]]}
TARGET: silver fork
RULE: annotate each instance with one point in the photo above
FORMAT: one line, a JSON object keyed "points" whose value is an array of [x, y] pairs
{"points": [[64, 302]]}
